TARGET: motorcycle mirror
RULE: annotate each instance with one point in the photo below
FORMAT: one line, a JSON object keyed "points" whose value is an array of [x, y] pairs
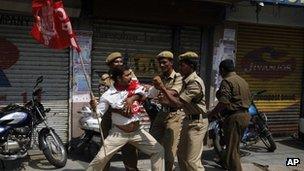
{"points": [[38, 80]]}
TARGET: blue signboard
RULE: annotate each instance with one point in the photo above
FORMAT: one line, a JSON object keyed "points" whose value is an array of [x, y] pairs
{"points": [[284, 2]]}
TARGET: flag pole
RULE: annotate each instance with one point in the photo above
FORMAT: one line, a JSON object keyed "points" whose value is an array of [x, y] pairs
{"points": [[93, 98]]}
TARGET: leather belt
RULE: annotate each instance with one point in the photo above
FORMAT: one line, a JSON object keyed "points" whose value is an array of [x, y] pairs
{"points": [[131, 127], [168, 109]]}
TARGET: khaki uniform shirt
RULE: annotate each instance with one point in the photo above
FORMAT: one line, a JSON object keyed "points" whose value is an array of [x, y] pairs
{"points": [[174, 81], [193, 94], [234, 91]]}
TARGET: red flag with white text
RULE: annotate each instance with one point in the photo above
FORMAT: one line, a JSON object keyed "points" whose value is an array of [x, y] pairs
{"points": [[52, 26]]}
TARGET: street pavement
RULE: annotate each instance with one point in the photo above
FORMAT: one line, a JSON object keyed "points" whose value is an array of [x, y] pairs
{"points": [[256, 159]]}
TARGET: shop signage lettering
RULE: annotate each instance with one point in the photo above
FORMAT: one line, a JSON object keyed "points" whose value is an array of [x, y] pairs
{"points": [[127, 36], [116, 36], [268, 67], [276, 97], [17, 20], [285, 2], [267, 63]]}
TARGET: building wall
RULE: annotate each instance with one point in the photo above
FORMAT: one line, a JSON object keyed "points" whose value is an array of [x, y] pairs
{"points": [[270, 14]]}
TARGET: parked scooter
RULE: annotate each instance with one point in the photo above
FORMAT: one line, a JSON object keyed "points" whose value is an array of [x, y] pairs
{"points": [[90, 140], [257, 130], [19, 123]]}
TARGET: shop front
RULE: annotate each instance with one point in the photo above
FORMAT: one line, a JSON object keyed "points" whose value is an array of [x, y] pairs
{"points": [[23, 60], [269, 55], [271, 58]]}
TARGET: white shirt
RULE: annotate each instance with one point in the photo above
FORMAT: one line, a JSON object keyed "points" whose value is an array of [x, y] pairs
{"points": [[114, 98]]}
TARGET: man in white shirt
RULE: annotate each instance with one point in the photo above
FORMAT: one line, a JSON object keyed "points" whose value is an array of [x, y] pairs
{"points": [[125, 120], [129, 152]]}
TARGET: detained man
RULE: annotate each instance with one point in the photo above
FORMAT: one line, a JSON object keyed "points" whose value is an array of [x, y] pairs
{"points": [[126, 122]]}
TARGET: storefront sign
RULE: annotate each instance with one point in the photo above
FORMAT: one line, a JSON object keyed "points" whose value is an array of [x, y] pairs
{"points": [[127, 36], [268, 63], [285, 2], [16, 20], [9, 55]]}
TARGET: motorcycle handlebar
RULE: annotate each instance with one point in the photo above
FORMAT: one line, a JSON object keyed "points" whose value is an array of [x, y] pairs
{"points": [[257, 93]]}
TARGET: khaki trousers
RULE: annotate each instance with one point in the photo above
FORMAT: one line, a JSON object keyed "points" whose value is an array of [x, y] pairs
{"points": [[234, 127], [140, 139], [166, 130], [129, 152], [191, 144]]}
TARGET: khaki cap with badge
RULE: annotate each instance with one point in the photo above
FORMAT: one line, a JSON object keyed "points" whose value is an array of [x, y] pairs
{"points": [[165, 54], [188, 55], [113, 56]]}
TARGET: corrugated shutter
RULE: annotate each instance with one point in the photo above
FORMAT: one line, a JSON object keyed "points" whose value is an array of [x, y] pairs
{"points": [[271, 58], [35, 60], [139, 44], [190, 40]]}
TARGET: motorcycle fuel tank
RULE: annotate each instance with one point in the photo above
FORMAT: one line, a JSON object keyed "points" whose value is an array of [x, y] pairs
{"points": [[14, 119]]}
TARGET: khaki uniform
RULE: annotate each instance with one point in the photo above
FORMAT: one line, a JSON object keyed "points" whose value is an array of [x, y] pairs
{"points": [[129, 152], [194, 126], [234, 91], [167, 124]]}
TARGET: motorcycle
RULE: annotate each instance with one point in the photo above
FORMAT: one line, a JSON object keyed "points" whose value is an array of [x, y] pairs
{"points": [[90, 140], [18, 125], [257, 130]]}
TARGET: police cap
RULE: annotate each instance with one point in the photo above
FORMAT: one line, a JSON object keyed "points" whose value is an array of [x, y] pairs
{"points": [[165, 54], [188, 55], [113, 56]]}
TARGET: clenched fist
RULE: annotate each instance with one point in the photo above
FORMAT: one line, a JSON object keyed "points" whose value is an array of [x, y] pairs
{"points": [[158, 83], [93, 104]]}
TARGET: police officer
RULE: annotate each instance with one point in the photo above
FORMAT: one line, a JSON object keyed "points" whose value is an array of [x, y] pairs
{"points": [[234, 100], [167, 124], [129, 152], [192, 100]]}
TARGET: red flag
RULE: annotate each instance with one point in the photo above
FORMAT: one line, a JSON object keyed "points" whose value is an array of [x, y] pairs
{"points": [[52, 26]]}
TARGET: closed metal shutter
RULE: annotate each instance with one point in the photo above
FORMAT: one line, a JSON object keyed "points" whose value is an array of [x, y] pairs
{"points": [[271, 58], [191, 38], [35, 60], [139, 44]]}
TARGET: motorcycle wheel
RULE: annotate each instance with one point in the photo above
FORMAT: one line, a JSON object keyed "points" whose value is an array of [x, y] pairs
{"points": [[268, 141], [55, 153]]}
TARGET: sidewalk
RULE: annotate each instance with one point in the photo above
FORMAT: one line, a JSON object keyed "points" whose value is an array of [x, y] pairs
{"points": [[257, 160]]}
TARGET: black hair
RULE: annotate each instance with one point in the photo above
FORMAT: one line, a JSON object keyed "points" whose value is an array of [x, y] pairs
{"points": [[118, 72], [191, 62], [227, 65]]}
